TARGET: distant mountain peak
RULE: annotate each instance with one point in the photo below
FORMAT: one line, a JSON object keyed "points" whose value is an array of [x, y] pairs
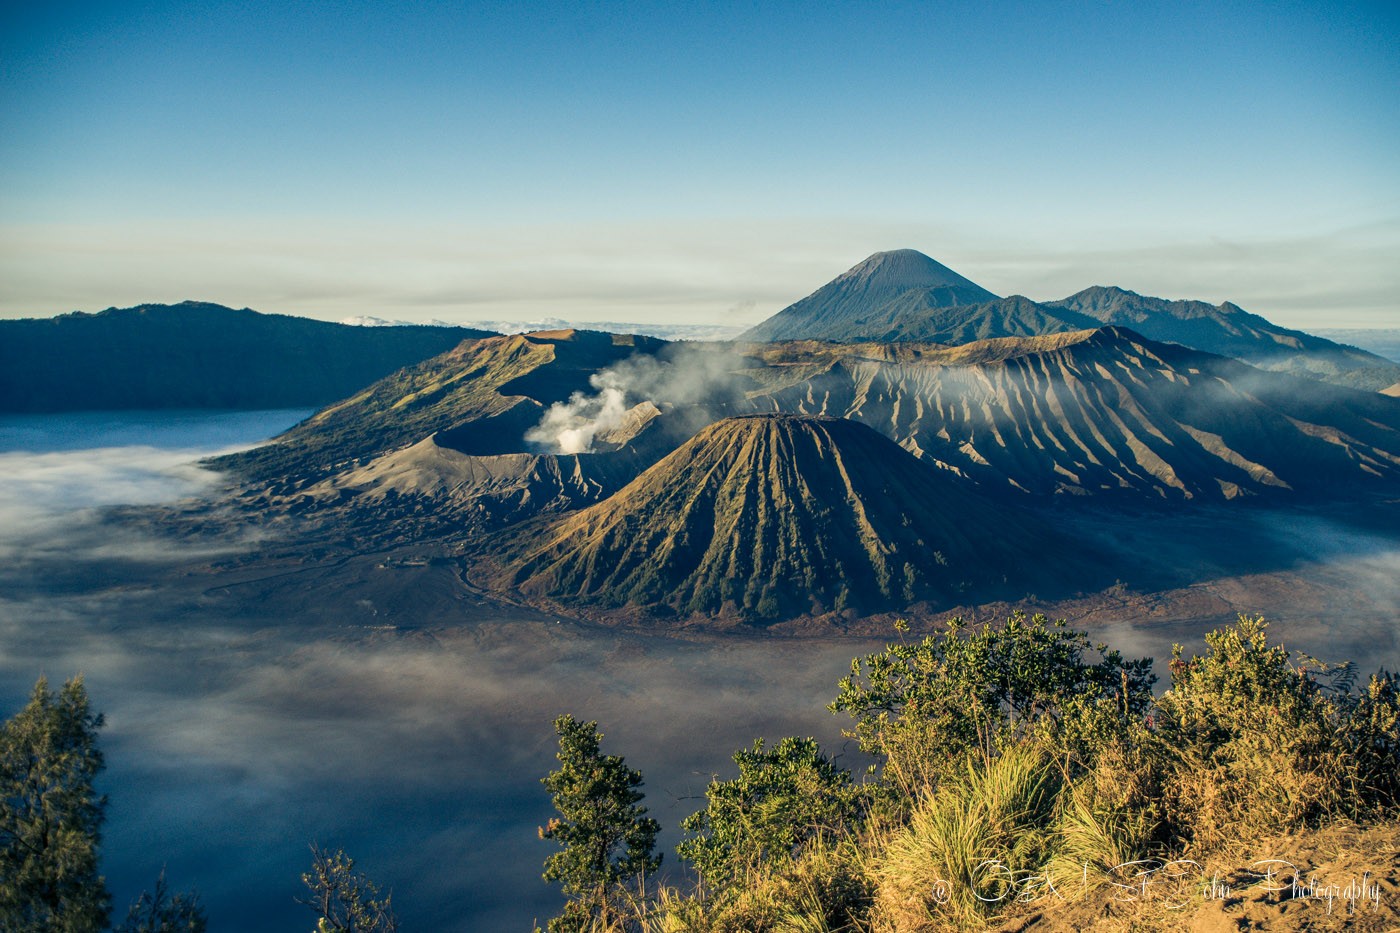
{"points": [[1111, 291], [1229, 330], [866, 287], [902, 270], [906, 267]]}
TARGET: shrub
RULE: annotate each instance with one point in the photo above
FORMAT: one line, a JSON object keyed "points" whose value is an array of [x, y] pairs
{"points": [[159, 911], [783, 799], [51, 815], [1258, 745], [1373, 727], [607, 837], [970, 843], [823, 890], [346, 900], [924, 707]]}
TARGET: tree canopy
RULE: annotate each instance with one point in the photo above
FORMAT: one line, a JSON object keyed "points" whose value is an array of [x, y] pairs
{"points": [[51, 815], [607, 837]]}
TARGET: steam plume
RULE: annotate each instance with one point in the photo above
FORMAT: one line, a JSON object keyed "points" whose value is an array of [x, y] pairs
{"points": [[569, 427], [684, 375]]}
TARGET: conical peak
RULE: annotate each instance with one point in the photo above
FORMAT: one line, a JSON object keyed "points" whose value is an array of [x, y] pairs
{"points": [[904, 269], [863, 291]]}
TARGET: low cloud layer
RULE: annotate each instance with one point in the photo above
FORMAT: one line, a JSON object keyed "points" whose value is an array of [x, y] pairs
{"points": [[232, 744], [61, 471], [237, 735]]}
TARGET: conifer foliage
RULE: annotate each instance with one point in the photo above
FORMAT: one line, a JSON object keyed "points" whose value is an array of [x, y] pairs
{"points": [[50, 814], [608, 839]]}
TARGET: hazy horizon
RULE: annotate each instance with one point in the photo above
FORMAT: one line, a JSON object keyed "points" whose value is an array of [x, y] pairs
{"points": [[699, 166], [740, 317]]}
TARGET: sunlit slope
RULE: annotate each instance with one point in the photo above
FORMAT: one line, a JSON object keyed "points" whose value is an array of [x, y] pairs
{"points": [[1101, 412], [774, 516], [491, 391], [445, 476]]}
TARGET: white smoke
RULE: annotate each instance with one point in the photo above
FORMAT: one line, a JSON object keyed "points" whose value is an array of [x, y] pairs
{"points": [[695, 383], [569, 427]]}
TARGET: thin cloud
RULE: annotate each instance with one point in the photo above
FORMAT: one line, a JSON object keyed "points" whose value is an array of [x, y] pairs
{"points": [[677, 272]]}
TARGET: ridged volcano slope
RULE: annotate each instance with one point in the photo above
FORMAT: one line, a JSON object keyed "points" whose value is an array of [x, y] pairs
{"points": [[441, 476], [773, 516], [1103, 412], [912, 317]]}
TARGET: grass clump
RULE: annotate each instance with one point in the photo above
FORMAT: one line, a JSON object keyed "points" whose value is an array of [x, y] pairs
{"points": [[971, 842], [1019, 767]]}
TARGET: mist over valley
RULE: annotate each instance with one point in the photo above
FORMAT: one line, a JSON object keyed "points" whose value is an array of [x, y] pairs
{"points": [[354, 625]]}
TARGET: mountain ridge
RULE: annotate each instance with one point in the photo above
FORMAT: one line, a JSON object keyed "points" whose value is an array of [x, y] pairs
{"points": [[1103, 412], [490, 389], [759, 472], [905, 309], [198, 355]]}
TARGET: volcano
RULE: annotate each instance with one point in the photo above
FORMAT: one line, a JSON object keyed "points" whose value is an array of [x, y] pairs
{"points": [[766, 517], [1104, 413], [840, 307]]}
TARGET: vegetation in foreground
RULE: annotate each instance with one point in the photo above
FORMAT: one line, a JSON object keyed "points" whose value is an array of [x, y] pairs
{"points": [[1019, 773], [51, 829]]}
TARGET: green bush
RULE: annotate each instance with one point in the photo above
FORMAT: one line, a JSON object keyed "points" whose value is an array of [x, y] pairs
{"points": [[783, 799], [825, 889], [608, 840], [1259, 746], [1373, 725], [970, 843], [1017, 767], [925, 707], [51, 814]]}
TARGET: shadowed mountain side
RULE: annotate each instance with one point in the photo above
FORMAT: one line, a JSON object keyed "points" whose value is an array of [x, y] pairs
{"points": [[1100, 412], [499, 384], [871, 284], [912, 317], [1229, 330], [199, 355], [768, 517]]}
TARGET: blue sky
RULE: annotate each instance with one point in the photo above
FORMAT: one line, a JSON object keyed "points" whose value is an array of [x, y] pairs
{"points": [[688, 162]]}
